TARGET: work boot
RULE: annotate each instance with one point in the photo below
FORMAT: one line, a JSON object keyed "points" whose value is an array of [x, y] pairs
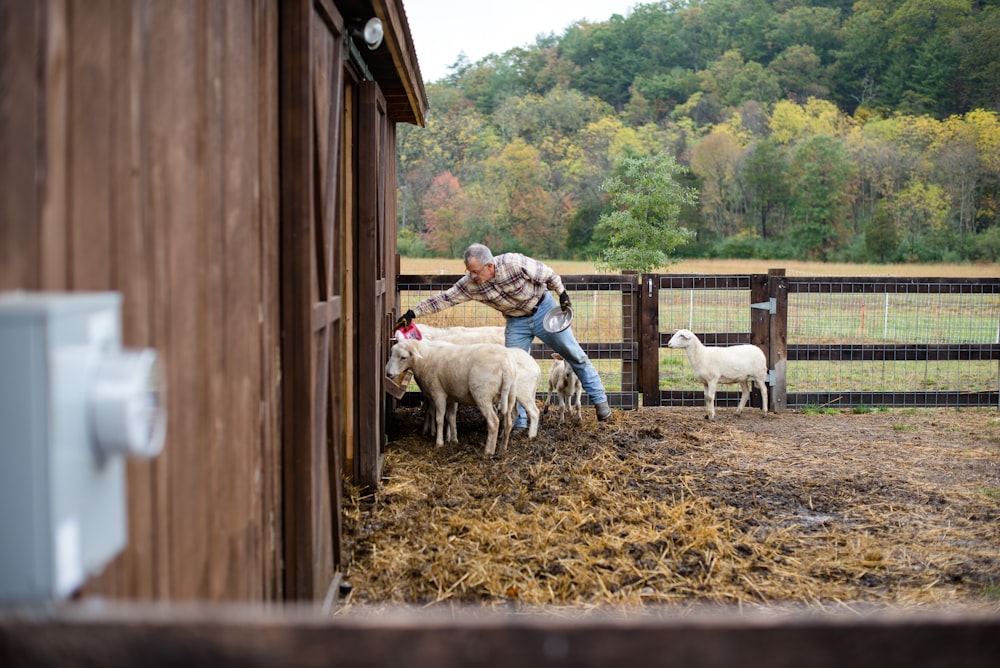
{"points": [[603, 411]]}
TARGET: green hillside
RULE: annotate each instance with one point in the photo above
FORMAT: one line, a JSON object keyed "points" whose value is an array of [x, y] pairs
{"points": [[831, 131]]}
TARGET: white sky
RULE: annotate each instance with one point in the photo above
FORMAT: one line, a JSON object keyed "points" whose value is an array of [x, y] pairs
{"points": [[441, 29]]}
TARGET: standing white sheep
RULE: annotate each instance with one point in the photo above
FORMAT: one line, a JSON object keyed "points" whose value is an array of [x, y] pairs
{"points": [[528, 371], [564, 382], [733, 364], [481, 375]]}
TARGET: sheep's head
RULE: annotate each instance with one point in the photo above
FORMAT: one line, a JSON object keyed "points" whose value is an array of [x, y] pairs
{"points": [[682, 338], [401, 359]]}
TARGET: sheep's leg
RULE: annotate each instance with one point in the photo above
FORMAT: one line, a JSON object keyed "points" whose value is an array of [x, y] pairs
{"points": [[559, 403], [710, 400], [510, 414], [744, 395], [451, 424], [579, 402], [429, 414], [762, 384], [532, 410], [492, 424], [440, 407]]}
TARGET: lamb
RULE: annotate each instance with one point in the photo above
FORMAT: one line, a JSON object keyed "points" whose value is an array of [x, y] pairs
{"points": [[566, 385], [528, 371], [732, 364], [480, 375]]}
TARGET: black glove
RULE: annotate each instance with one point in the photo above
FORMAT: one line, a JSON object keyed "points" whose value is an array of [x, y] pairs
{"points": [[405, 320], [564, 300]]}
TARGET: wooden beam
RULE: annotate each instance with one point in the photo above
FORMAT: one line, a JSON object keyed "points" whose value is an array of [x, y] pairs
{"points": [[112, 636]]}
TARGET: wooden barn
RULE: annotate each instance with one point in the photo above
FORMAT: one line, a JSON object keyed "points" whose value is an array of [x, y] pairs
{"points": [[229, 169]]}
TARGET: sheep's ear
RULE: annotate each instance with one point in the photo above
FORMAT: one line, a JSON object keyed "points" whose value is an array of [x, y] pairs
{"points": [[557, 356]]}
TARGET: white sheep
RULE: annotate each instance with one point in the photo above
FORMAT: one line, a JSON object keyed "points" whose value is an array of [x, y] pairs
{"points": [[564, 382], [733, 364], [481, 375], [528, 372], [461, 334]]}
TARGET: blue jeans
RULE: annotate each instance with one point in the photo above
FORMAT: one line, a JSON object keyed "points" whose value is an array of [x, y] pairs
{"points": [[521, 332]]}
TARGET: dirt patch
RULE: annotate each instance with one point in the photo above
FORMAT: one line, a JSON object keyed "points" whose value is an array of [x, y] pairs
{"points": [[659, 507]]}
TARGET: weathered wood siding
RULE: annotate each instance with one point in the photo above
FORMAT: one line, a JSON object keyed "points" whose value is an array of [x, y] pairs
{"points": [[138, 153]]}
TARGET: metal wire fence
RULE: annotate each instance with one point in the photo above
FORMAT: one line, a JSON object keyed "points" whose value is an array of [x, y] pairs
{"points": [[605, 319], [897, 342], [847, 341]]}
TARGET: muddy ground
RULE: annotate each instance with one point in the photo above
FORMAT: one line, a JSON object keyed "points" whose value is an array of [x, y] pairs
{"points": [[658, 507]]}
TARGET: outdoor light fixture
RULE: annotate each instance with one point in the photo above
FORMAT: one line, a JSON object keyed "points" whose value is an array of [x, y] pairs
{"points": [[372, 33]]}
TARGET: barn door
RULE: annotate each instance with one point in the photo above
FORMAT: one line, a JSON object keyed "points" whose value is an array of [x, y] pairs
{"points": [[311, 83], [373, 309]]}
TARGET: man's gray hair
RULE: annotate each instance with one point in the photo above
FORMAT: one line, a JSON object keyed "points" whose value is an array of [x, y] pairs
{"points": [[479, 252]]}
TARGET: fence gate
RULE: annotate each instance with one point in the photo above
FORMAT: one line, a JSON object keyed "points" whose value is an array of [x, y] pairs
{"points": [[837, 341]]}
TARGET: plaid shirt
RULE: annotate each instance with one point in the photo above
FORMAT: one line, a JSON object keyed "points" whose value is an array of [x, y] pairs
{"points": [[519, 284]]}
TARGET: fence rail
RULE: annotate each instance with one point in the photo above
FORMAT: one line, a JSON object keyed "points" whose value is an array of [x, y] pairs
{"points": [[845, 341]]}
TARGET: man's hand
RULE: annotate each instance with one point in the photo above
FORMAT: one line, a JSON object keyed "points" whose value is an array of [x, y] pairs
{"points": [[405, 320], [564, 300]]}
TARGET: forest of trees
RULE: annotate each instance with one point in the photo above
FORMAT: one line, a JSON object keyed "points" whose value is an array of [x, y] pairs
{"points": [[860, 131]]}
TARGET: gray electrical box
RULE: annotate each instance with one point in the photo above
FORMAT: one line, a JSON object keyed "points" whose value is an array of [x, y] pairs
{"points": [[73, 405]]}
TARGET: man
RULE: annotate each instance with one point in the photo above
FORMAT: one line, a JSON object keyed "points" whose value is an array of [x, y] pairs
{"points": [[518, 287]]}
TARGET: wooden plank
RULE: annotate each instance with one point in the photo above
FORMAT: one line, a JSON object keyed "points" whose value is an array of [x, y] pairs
{"points": [[348, 330], [268, 471], [54, 190], [760, 325], [21, 43], [134, 573], [332, 245], [156, 135], [649, 340], [299, 293], [240, 225], [209, 636], [174, 186], [208, 23], [777, 289], [89, 156], [371, 155]]}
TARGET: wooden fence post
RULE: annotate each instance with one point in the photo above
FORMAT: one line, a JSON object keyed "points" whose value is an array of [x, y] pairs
{"points": [[649, 339], [777, 289], [760, 323]]}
